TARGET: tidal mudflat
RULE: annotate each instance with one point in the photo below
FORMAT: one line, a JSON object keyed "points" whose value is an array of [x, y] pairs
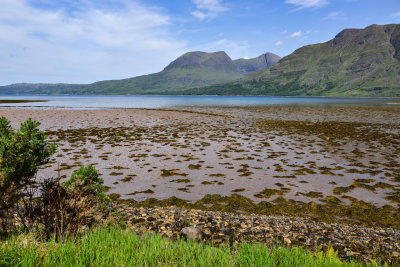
{"points": [[313, 158]]}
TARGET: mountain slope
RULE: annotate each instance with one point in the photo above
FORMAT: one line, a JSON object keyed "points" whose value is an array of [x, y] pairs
{"points": [[357, 62], [246, 66], [190, 70], [35, 88], [193, 69]]}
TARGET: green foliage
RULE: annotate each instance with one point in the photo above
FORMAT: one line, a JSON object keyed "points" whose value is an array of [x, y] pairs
{"points": [[20, 154], [22, 151], [116, 247], [87, 179]]}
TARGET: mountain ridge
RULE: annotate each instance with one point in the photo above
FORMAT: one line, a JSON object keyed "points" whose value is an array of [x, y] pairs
{"points": [[191, 70], [356, 62]]}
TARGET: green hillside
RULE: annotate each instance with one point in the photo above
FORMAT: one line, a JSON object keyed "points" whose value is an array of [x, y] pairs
{"points": [[188, 71], [191, 70], [246, 66], [357, 62]]}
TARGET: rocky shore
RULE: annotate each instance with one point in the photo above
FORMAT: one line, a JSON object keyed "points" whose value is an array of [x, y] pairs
{"points": [[219, 228]]}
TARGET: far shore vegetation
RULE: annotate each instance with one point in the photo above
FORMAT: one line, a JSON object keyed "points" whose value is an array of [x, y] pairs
{"points": [[15, 101]]}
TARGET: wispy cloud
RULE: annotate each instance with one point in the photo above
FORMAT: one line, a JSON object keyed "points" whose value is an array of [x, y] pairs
{"points": [[296, 34], [338, 15], [301, 4], [208, 8], [279, 43], [91, 43], [396, 15], [200, 15]]}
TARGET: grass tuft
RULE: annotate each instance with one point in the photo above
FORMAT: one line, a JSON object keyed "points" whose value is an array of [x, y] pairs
{"points": [[116, 247]]}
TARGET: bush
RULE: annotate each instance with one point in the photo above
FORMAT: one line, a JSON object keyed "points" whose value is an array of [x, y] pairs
{"points": [[20, 154], [61, 210], [64, 211], [87, 179]]}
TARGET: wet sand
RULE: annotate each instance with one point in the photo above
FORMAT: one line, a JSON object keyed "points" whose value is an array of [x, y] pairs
{"points": [[301, 153]]}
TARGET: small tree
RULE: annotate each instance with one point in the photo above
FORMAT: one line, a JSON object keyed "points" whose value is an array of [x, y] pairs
{"points": [[20, 154], [87, 179]]}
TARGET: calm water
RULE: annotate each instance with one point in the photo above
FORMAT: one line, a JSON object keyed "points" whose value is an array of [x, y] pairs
{"points": [[109, 102]]}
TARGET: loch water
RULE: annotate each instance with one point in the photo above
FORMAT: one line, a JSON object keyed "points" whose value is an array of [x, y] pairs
{"points": [[164, 101]]}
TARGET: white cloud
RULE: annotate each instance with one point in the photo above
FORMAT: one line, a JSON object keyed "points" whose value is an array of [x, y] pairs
{"points": [[339, 15], [210, 5], [296, 34], [208, 8], [200, 15], [396, 15], [300, 4], [52, 45], [279, 43]]}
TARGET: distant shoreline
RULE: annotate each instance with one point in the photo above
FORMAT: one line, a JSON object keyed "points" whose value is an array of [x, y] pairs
{"points": [[14, 101], [169, 101], [291, 96]]}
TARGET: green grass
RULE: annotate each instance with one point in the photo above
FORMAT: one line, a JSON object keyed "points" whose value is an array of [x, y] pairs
{"points": [[116, 247]]}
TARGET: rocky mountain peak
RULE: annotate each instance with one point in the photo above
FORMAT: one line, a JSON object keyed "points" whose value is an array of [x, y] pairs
{"points": [[198, 59], [246, 66]]}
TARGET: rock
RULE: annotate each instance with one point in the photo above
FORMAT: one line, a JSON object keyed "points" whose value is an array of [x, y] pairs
{"points": [[151, 219], [354, 240], [287, 241], [217, 241], [229, 231], [192, 232], [207, 232]]}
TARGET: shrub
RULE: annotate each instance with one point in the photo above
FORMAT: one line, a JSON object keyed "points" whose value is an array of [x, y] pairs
{"points": [[87, 179], [63, 211], [20, 154]]}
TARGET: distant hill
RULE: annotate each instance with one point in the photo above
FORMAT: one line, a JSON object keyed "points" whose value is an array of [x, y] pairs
{"points": [[191, 70], [357, 62], [246, 66], [35, 88]]}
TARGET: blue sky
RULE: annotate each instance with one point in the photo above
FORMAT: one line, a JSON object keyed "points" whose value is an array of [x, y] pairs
{"points": [[82, 41]]}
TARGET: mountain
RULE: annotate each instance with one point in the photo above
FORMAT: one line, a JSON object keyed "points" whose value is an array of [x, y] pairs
{"points": [[246, 66], [357, 62], [191, 70]]}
